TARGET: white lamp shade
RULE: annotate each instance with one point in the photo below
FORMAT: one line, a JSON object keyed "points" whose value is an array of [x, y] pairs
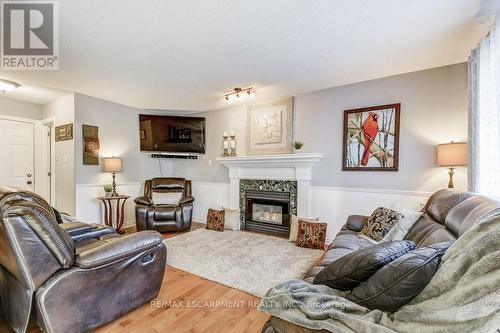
{"points": [[452, 154], [112, 164]]}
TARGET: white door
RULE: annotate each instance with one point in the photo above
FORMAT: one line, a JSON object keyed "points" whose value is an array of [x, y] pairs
{"points": [[16, 149]]}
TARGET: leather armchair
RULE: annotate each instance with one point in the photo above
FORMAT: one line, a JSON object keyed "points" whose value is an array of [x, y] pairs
{"points": [[164, 218], [71, 277]]}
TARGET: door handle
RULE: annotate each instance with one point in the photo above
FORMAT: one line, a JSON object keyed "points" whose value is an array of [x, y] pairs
{"points": [[29, 182]]}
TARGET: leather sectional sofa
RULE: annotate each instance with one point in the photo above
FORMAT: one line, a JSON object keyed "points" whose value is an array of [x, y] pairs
{"points": [[446, 216], [71, 277]]}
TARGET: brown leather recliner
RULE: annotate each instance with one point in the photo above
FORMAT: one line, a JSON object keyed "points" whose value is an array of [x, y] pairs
{"points": [[164, 218], [71, 277]]}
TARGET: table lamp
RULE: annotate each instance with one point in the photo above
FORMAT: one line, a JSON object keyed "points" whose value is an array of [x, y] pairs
{"points": [[451, 155], [114, 165]]}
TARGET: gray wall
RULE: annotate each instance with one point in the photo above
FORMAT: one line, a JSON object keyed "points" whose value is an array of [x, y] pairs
{"points": [[63, 110], [433, 110], [119, 136], [15, 108]]}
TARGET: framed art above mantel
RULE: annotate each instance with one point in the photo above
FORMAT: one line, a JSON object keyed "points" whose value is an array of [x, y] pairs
{"points": [[371, 138], [270, 126]]}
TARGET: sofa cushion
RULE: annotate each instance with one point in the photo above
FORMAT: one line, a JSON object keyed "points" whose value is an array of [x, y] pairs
{"points": [[380, 222], [401, 228], [166, 198], [164, 213], [427, 231], [231, 219], [311, 235], [442, 202], [397, 283], [294, 226], [215, 219], [347, 239], [355, 267]]}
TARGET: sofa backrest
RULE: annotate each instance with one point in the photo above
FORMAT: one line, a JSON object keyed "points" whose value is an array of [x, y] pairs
{"points": [[448, 214], [167, 184], [32, 245]]}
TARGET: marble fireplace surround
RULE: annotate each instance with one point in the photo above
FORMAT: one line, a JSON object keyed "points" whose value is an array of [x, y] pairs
{"points": [[294, 167]]}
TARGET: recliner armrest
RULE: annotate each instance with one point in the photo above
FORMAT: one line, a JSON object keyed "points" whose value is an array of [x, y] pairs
{"points": [[185, 200], [355, 222], [123, 247], [143, 201], [76, 228]]}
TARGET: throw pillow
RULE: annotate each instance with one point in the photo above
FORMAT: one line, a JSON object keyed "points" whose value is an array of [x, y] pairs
{"points": [[401, 228], [311, 235], [215, 219], [166, 198], [397, 283], [294, 226], [350, 270], [380, 222], [231, 219]]}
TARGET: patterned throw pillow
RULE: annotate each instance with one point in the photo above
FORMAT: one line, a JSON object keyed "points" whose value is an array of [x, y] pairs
{"points": [[311, 235], [166, 198], [294, 226], [215, 219], [380, 222]]}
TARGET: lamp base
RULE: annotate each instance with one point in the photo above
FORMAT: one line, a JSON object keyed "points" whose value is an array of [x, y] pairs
{"points": [[450, 182], [114, 194]]}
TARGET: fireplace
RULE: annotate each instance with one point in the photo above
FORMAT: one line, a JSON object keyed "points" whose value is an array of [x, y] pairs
{"points": [[267, 205]]}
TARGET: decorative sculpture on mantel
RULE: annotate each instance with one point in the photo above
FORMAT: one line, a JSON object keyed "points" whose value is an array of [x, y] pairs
{"points": [[229, 144]]}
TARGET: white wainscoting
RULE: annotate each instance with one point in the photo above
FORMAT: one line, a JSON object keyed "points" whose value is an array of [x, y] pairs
{"points": [[89, 209], [331, 204], [209, 195], [335, 204]]}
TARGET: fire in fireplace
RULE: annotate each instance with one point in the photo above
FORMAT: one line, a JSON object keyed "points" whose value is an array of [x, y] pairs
{"points": [[267, 211]]}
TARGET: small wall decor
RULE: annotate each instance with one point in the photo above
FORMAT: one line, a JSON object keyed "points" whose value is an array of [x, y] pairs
{"points": [[64, 132], [270, 127], [90, 145], [371, 138]]}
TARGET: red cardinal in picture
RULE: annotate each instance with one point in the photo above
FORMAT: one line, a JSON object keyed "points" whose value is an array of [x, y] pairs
{"points": [[370, 129]]}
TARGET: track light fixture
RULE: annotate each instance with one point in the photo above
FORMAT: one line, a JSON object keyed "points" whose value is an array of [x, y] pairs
{"points": [[239, 93]]}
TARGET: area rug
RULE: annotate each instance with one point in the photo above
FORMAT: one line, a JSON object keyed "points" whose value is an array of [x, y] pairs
{"points": [[246, 261]]}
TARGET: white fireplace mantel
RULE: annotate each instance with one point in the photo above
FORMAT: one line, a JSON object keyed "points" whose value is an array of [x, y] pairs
{"points": [[296, 167]]}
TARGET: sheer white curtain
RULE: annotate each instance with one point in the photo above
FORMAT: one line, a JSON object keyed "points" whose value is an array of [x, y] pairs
{"points": [[484, 116]]}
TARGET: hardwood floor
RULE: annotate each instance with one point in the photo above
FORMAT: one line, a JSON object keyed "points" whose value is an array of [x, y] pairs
{"points": [[188, 303]]}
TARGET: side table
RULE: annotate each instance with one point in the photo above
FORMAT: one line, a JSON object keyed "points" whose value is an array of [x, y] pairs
{"points": [[110, 220]]}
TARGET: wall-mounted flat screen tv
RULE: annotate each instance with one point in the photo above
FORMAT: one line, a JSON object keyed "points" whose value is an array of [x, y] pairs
{"points": [[172, 134]]}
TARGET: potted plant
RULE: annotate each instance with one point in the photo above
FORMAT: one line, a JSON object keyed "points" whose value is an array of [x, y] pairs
{"points": [[297, 146], [108, 189]]}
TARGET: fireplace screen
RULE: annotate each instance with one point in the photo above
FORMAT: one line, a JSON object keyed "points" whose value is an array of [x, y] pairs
{"points": [[267, 213]]}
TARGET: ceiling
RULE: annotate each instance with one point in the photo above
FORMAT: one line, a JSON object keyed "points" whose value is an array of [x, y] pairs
{"points": [[184, 55]]}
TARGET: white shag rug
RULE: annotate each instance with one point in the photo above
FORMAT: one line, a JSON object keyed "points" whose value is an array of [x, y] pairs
{"points": [[246, 261]]}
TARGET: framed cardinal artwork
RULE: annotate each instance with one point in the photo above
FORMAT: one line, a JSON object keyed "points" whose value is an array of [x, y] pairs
{"points": [[371, 138]]}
